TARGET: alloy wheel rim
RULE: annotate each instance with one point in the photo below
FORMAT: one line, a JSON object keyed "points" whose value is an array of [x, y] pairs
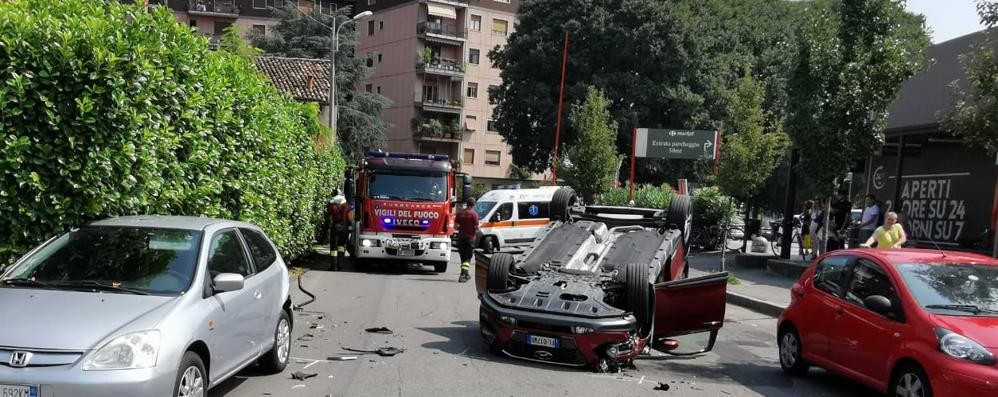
{"points": [[788, 350], [283, 340], [909, 385], [191, 383]]}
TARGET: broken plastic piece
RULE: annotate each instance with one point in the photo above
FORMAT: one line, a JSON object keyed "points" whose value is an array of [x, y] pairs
{"points": [[662, 386], [341, 358], [379, 330], [298, 375]]}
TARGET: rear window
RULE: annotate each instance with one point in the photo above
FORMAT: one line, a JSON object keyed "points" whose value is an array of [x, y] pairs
{"points": [[263, 253]]}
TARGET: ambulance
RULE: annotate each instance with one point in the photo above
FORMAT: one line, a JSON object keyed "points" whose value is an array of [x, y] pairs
{"points": [[512, 216]]}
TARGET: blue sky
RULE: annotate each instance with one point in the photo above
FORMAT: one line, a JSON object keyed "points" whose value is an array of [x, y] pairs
{"points": [[947, 19]]}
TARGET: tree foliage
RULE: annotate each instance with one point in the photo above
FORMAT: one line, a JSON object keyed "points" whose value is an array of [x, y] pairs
{"points": [[974, 114], [749, 154], [590, 164], [852, 57], [645, 196], [300, 35], [660, 64], [107, 110]]}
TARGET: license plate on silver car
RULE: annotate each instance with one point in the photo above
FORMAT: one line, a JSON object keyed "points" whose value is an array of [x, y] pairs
{"points": [[535, 340], [18, 391], [406, 252]]}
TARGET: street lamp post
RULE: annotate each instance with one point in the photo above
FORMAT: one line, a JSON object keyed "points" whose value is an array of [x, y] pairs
{"points": [[335, 31]]}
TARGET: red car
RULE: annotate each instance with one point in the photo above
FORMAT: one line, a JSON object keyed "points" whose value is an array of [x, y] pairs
{"points": [[907, 322]]}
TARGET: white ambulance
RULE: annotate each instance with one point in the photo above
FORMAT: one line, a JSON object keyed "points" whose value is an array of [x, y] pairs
{"points": [[512, 216]]}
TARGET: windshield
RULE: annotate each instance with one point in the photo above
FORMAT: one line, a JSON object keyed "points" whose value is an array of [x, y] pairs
{"points": [[408, 187], [147, 260], [483, 208], [938, 287]]}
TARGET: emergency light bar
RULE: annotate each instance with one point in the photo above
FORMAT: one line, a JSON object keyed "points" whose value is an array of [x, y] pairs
{"points": [[410, 156]]}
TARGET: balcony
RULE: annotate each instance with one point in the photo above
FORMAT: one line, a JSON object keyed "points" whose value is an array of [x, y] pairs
{"points": [[441, 33], [456, 3], [213, 8], [440, 67], [436, 130], [439, 105]]}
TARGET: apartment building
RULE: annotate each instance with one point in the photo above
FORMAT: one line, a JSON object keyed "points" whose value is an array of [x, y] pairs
{"points": [[430, 57], [212, 17]]}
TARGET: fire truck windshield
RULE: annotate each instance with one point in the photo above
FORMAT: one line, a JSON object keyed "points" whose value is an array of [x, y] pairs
{"points": [[408, 187]]}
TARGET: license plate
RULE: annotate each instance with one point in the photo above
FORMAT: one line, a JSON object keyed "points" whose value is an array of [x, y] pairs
{"points": [[406, 252], [534, 340], [18, 391]]}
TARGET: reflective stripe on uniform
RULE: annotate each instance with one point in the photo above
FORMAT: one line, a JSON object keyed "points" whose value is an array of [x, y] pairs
{"points": [[341, 249], [465, 266]]}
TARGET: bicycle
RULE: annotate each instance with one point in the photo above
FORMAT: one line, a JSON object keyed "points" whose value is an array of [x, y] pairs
{"points": [[710, 238], [796, 237]]}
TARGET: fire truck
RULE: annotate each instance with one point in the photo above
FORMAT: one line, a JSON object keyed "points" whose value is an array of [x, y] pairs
{"points": [[404, 207]]}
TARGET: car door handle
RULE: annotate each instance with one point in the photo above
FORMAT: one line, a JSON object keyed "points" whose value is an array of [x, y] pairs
{"points": [[258, 294]]}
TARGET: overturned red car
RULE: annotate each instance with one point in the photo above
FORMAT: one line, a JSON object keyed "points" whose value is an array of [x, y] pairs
{"points": [[598, 287]]}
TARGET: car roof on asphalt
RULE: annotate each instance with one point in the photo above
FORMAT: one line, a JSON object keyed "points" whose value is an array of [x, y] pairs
{"points": [[167, 222]]}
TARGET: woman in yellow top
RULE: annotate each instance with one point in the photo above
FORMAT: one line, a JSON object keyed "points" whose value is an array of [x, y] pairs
{"points": [[890, 235]]}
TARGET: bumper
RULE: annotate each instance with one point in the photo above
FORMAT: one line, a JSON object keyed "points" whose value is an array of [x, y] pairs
{"points": [[71, 381], [508, 330], [956, 378], [435, 249]]}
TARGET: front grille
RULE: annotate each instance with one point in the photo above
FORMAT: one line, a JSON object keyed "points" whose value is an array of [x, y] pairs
{"points": [[395, 252], [544, 327], [16, 358], [567, 354]]}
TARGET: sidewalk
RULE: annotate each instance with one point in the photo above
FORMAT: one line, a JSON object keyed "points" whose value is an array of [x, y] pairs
{"points": [[758, 289]]}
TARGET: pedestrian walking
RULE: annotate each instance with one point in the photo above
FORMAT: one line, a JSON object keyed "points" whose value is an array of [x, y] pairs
{"points": [[871, 215], [890, 235], [805, 229], [817, 229], [339, 221], [467, 231], [841, 208]]}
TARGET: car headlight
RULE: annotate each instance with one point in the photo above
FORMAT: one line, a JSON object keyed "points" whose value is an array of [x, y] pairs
{"points": [[962, 347], [581, 330], [438, 246], [507, 320], [131, 351], [370, 243]]}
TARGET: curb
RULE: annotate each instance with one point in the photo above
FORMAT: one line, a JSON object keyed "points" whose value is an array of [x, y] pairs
{"points": [[754, 304]]}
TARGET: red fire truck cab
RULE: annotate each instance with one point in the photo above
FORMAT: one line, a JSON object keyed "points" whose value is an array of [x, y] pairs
{"points": [[404, 208]]}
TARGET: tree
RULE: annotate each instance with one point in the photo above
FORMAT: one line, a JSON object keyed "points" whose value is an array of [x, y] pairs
{"points": [[591, 163], [749, 154], [974, 114], [852, 57], [300, 35], [660, 64]]}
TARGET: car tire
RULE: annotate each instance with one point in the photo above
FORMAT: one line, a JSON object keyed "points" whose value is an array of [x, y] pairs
{"points": [[275, 360], [681, 215], [562, 201], [361, 264], [686, 269], [192, 379], [910, 380], [498, 278], [488, 245], [440, 267], [637, 299], [791, 352]]}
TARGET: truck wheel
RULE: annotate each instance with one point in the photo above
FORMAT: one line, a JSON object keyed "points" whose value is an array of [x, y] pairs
{"points": [[498, 279], [562, 201], [440, 267], [681, 215], [636, 298], [361, 264]]}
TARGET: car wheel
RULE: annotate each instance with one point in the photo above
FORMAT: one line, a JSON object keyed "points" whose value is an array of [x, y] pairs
{"points": [[192, 379], [562, 201], [680, 215], [275, 360], [440, 267], [498, 278], [488, 245], [637, 299], [791, 348], [910, 381]]}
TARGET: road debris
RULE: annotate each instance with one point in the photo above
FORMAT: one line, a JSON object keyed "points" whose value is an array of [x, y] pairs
{"points": [[306, 337], [384, 351], [662, 386], [298, 375], [341, 358], [378, 330]]}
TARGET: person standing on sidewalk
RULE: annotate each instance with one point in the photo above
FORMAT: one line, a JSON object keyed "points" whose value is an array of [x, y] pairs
{"points": [[890, 235], [871, 215], [467, 231], [817, 229], [841, 207], [339, 221]]}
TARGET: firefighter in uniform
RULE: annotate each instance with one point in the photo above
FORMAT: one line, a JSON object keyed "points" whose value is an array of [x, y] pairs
{"points": [[467, 231], [339, 221]]}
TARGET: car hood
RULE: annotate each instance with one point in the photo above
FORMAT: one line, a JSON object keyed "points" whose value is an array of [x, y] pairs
{"points": [[70, 320], [981, 329]]}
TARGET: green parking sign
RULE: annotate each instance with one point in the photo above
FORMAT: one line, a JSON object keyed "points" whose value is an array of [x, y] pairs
{"points": [[676, 144]]}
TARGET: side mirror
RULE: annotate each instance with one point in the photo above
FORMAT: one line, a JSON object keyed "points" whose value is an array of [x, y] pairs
{"points": [[228, 282], [349, 189], [496, 217], [466, 190], [879, 304]]}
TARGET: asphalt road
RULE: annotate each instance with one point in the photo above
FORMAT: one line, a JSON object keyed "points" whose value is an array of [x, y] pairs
{"points": [[434, 319]]}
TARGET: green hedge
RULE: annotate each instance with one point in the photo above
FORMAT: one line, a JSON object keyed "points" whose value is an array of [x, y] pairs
{"points": [[108, 110], [646, 196], [710, 207]]}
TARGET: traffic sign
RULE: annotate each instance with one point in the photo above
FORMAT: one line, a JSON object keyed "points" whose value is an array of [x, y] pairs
{"points": [[676, 144]]}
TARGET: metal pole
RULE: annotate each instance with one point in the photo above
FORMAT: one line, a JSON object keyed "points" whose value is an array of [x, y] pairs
{"points": [[634, 150], [332, 80], [561, 98], [788, 208], [896, 205]]}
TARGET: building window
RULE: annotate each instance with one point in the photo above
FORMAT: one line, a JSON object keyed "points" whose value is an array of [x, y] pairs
{"points": [[306, 6], [500, 27], [471, 123], [369, 59], [476, 23], [469, 156], [492, 157], [473, 55], [492, 88], [258, 4], [369, 88], [492, 126], [472, 90], [275, 3], [381, 25], [371, 2], [194, 23], [370, 28], [379, 57], [379, 90], [502, 1], [260, 29]]}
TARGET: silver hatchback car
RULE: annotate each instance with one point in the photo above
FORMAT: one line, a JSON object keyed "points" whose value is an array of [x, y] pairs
{"points": [[143, 306]]}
